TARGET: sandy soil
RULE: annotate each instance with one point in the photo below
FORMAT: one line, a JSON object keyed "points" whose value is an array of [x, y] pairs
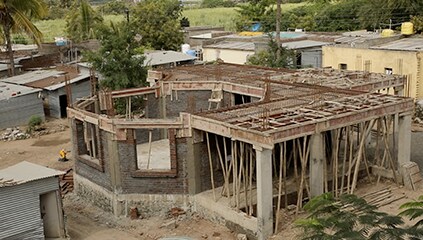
{"points": [[85, 221]]}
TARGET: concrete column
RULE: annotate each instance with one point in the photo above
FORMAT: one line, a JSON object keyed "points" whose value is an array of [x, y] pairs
{"points": [[264, 193], [317, 157], [404, 139], [193, 159]]}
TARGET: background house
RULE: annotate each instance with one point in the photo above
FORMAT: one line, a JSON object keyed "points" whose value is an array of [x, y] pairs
{"points": [[18, 104], [30, 203], [55, 95], [390, 56]]}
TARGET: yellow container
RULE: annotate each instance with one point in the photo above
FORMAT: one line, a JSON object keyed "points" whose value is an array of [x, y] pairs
{"points": [[250, 34], [387, 33], [407, 28]]}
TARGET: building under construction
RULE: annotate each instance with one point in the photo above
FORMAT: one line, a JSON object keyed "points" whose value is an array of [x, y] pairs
{"points": [[237, 143]]}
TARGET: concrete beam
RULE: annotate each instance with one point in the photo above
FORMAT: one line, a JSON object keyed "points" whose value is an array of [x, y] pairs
{"points": [[404, 139], [264, 193], [317, 161]]}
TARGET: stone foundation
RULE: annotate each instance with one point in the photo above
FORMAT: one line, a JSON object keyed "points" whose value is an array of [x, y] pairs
{"points": [[148, 205]]}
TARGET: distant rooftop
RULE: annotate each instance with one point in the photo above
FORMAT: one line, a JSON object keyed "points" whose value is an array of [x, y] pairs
{"points": [[47, 79], [235, 45], [165, 57], [8, 90], [25, 172], [303, 44], [405, 44]]}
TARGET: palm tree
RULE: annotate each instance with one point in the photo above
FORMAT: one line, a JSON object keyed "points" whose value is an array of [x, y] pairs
{"points": [[351, 217], [15, 16], [82, 21]]}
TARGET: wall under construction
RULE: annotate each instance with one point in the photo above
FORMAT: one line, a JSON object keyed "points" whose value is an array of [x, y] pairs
{"points": [[231, 139]]}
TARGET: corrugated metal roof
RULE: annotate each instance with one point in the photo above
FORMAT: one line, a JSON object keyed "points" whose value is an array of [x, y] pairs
{"points": [[25, 172], [31, 77], [8, 90], [406, 44], [165, 57], [244, 46], [304, 44]]}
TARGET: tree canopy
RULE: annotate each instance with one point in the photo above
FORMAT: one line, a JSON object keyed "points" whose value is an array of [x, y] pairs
{"points": [[15, 16], [82, 21], [119, 59], [334, 15], [158, 23]]}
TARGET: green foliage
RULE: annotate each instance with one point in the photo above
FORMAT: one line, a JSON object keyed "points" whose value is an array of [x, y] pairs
{"points": [[113, 7], [217, 17], [413, 210], [418, 23], [351, 217], [16, 17], [256, 11], [58, 8], [19, 39], [158, 23], [268, 57], [119, 59], [34, 122], [217, 3], [82, 22]]}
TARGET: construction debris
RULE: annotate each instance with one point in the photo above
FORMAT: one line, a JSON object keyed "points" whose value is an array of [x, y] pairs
{"points": [[12, 134]]}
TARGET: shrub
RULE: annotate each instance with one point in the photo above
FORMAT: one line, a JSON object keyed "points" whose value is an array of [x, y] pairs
{"points": [[34, 121]]}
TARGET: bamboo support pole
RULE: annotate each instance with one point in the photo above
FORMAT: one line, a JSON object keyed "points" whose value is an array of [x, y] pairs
{"points": [[150, 138], [281, 162], [221, 163], [350, 157], [227, 169], [250, 212], [344, 160], [363, 136], [211, 166]]}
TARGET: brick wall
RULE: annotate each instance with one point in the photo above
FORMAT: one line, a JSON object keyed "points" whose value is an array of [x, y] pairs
{"points": [[153, 184], [101, 178]]}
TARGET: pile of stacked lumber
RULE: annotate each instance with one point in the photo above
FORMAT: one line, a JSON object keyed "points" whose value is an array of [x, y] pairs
{"points": [[382, 197], [66, 182]]}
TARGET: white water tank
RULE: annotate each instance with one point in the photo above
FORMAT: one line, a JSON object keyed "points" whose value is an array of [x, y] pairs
{"points": [[185, 47]]}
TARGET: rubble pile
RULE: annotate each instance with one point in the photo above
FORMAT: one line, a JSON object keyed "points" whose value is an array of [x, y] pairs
{"points": [[418, 113], [11, 134]]}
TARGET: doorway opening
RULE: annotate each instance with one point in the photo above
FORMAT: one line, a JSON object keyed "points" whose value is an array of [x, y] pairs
{"points": [[63, 102], [51, 216]]}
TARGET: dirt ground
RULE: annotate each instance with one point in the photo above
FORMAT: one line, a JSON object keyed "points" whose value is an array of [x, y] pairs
{"points": [[85, 221]]}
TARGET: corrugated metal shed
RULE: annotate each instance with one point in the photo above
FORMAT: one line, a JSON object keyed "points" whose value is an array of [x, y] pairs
{"points": [[8, 90], [166, 57], [406, 44], [25, 172], [233, 45], [18, 104], [45, 79], [20, 190], [303, 44]]}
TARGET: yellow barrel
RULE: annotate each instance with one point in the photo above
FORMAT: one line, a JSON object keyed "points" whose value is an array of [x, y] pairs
{"points": [[387, 33], [407, 28]]}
